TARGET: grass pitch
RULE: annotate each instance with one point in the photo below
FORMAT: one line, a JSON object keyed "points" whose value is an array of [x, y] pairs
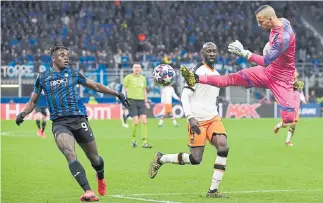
{"points": [[260, 168]]}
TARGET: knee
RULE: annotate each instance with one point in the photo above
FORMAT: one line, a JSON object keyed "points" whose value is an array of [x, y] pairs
{"points": [[195, 160], [94, 159], [143, 120], [70, 155], [223, 151], [99, 164]]}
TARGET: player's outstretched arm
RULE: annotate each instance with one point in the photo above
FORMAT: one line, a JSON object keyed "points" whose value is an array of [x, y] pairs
{"points": [[28, 109], [280, 44], [106, 90]]}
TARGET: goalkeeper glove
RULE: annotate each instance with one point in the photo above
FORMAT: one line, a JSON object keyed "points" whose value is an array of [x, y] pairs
{"points": [[237, 48]]}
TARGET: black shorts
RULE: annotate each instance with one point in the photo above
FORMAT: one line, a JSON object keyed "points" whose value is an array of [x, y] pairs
{"points": [[41, 110], [137, 107], [78, 127]]}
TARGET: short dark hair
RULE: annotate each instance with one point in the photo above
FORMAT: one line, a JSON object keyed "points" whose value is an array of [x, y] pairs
{"points": [[261, 8], [57, 47], [208, 45]]}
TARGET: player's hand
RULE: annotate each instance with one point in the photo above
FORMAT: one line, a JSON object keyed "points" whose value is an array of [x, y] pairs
{"points": [[124, 100], [194, 126], [298, 85], [237, 48], [147, 105], [20, 118], [190, 78]]}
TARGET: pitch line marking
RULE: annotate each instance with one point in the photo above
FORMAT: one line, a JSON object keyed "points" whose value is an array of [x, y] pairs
{"points": [[142, 199], [229, 192]]}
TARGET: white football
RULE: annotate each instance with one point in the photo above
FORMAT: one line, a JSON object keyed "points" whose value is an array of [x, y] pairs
{"points": [[164, 75]]}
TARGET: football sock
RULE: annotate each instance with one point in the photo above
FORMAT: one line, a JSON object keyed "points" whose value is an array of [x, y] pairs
{"points": [[290, 133], [128, 116], [219, 168], [212, 191], [134, 132], [78, 173], [161, 121], [144, 132], [38, 123], [174, 121], [180, 158], [99, 169], [279, 125], [43, 125], [124, 118]]}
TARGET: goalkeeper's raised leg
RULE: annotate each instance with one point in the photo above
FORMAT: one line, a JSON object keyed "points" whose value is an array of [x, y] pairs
{"points": [[275, 69]]}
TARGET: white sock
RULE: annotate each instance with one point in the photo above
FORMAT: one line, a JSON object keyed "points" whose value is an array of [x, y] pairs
{"points": [[289, 134], [217, 175], [173, 158], [174, 121], [161, 121], [279, 125]]}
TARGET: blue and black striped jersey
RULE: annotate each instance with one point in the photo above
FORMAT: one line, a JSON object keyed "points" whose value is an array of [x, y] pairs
{"points": [[61, 92]]}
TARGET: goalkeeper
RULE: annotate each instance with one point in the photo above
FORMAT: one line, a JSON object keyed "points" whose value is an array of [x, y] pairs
{"points": [[275, 70], [298, 97]]}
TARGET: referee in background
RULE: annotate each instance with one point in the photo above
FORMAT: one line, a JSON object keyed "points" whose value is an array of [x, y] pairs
{"points": [[134, 85]]}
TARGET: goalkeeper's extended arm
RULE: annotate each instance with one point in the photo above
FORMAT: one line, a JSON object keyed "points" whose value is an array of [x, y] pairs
{"points": [[237, 48], [280, 44]]}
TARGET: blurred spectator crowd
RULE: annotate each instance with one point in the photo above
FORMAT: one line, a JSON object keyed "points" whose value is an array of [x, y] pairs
{"points": [[119, 33]]}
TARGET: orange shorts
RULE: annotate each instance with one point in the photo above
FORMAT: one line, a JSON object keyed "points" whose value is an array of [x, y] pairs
{"points": [[168, 109], [207, 128]]}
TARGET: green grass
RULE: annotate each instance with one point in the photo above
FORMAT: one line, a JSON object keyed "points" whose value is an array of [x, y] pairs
{"points": [[34, 170]]}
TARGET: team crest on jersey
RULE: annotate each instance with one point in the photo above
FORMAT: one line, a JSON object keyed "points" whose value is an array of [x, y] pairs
{"points": [[66, 75]]}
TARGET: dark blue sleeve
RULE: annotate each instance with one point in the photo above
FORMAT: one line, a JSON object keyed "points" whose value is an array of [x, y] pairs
{"points": [[81, 79], [37, 86], [280, 44]]}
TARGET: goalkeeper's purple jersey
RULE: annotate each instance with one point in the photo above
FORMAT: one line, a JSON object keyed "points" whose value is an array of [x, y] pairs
{"points": [[280, 59]]}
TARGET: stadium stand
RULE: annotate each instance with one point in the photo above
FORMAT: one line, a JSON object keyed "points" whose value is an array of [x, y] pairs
{"points": [[113, 35]]}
